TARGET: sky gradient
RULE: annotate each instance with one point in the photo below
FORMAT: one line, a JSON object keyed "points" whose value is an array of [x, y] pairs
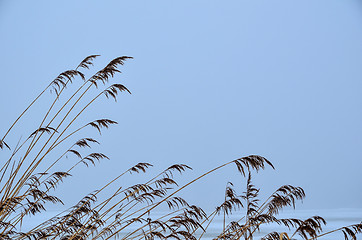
{"points": [[211, 81]]}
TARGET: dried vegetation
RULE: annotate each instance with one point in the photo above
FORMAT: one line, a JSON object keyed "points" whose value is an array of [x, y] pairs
{"points": [[29, 176]]}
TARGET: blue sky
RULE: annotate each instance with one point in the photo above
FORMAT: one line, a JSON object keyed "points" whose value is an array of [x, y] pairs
{"points": [[211, 81]]}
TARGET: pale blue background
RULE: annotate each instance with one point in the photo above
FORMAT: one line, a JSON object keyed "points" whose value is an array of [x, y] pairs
{"points": [[211, 80]]}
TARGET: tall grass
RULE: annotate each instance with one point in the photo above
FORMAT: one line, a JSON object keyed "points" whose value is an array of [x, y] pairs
{"points": [[29, 176]]}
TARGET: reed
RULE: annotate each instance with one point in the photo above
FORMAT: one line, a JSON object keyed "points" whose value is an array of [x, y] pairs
{"points": [[29, 178]]}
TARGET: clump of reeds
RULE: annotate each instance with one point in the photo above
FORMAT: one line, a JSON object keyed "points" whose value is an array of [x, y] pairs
{"points": [[29, 176]]}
